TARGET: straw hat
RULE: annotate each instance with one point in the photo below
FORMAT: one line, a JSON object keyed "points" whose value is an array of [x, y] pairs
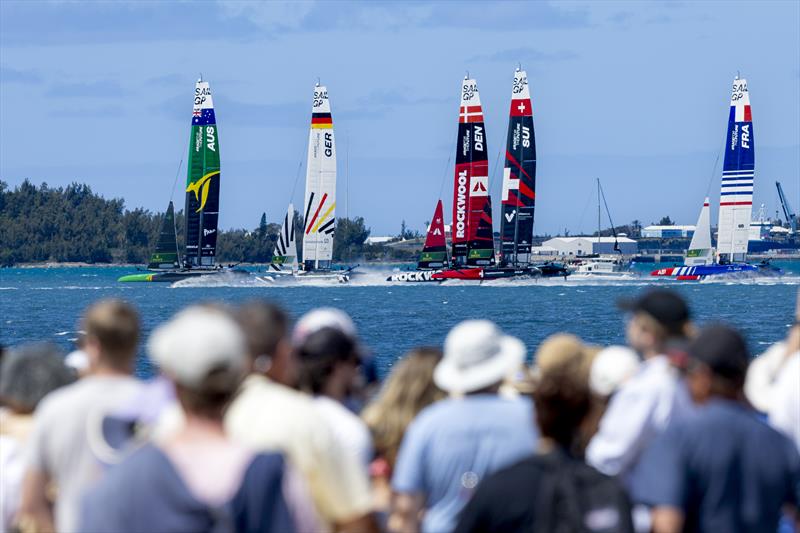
{"points": [[476, 355]]}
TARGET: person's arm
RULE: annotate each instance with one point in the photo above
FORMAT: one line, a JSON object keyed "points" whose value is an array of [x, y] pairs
{"points": [[35, 513], [667, 520], [406, 512]]}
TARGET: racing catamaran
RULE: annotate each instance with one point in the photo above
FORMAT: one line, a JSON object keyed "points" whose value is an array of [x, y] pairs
{"points": [[320, 196], [285, 254], [735, 204], [202, 205]]}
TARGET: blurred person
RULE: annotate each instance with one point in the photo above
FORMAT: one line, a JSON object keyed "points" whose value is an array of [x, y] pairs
{"points": [[356, 394], [329, 363], [553, 489], [60, 449], [655, 395], [456, 442], [556, 350], [197, 479], [27, 374], [268, 415], [407, 390], [723, 469]]}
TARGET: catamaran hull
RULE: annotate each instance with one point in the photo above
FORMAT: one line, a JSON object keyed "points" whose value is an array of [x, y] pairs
{"points": [[480, 274], [178, 275], [695, 273]]}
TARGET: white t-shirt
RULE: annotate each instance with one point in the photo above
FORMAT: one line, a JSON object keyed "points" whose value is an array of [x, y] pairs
{"points": [[66, 442], [267, 416], [784, 413], [351, 431]]}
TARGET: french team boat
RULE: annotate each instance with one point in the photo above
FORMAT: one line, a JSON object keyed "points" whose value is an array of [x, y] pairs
{"points": [[320, 196], [202, 205], [735, 205]]}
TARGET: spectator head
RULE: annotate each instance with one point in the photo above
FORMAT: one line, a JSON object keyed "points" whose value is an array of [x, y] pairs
{"points": [[324, 317], [29, 373], [266, 328], [563, 402], [112, 335], [559, 349], [203, 351], [329, 362], [407, 390], [718, 361], [611, 368], [657, 316], [477, 357]]}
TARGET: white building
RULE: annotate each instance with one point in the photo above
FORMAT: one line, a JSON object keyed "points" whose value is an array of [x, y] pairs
{"points": [[591, 245], [378, 240], [667, 232]]}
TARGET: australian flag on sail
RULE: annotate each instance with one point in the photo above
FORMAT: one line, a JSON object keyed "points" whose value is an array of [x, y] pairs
{"points": [[203, 117]]}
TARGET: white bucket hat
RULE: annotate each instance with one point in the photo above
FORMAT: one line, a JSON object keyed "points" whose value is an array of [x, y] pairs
{"points": [[196, 341], [476, 355]]}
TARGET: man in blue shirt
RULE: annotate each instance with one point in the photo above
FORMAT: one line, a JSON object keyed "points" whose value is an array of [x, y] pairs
{"points": [[453, 444], [723, 469]]}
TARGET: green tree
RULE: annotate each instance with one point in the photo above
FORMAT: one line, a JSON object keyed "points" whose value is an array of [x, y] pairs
{"points": [[348, 240]]}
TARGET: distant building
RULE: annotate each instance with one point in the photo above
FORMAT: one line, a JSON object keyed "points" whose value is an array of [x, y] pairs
{"points": [[378, 240], [667, 232], [590, 245]]}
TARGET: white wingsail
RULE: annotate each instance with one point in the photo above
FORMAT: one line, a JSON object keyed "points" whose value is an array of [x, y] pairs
{"points": [[700, 251], [320, 199], [285, 253], [736, 195]]}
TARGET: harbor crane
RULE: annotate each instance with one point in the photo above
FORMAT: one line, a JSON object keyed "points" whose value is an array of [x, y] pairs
{"points": [[791, 217]]}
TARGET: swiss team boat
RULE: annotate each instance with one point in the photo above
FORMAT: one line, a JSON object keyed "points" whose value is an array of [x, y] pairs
{"points": [[201, 206], [320, 196], [472, 255], [735, 205]]}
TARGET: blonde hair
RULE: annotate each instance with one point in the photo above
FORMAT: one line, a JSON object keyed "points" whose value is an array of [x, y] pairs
{"points": [[407, 390]]}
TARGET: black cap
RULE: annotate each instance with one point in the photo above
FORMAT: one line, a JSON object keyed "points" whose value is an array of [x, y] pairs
{"points": [[723, 350], [666, 306]]}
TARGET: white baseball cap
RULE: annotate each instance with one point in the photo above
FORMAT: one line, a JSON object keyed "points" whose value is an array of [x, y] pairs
{"points": [[323, 317], [196, 341], [476, 355], [612, 367]]}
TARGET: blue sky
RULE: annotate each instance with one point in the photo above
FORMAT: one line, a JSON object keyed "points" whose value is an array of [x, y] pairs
{"points": [[635, 93]]}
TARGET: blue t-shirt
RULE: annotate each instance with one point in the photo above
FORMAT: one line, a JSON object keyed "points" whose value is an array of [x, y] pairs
{"points": [[146, 493], [724, 467], [455, 443]]}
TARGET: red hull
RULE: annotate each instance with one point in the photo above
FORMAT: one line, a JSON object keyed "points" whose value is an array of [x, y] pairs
{"points": [[461, 273]]}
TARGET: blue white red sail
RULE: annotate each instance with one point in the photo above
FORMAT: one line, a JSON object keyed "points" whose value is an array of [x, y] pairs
{"points": [[736, 194]]}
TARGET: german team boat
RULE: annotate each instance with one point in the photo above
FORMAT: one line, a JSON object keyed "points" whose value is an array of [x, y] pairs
{"points": [[735, 205], [320, 196], [202, 206]]}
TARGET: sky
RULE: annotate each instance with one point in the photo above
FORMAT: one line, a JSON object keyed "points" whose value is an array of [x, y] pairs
{"points": [[633, 93]]}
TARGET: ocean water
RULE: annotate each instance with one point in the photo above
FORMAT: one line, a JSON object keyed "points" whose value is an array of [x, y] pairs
{"points": [[46, 303]]}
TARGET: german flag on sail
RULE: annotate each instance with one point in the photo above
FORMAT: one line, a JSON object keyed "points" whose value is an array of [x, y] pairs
{"points": [[321, 121]]}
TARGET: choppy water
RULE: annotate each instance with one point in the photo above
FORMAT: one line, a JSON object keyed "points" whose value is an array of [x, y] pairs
{"points": [[45, 304]]}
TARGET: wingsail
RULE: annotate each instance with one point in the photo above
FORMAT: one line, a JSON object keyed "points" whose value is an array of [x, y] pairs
{"points": [[519, 177], [473, 243], [202, 182], [736, 195], [320, 197]]}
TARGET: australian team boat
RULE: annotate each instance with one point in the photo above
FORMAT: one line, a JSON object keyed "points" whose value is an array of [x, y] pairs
{"points": [[201, 206], [735, 206], [472, 254]]}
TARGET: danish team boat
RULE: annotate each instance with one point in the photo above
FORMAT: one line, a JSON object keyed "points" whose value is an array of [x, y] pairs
{"points": [[472, 251], [202, 206], [735, 205]]}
